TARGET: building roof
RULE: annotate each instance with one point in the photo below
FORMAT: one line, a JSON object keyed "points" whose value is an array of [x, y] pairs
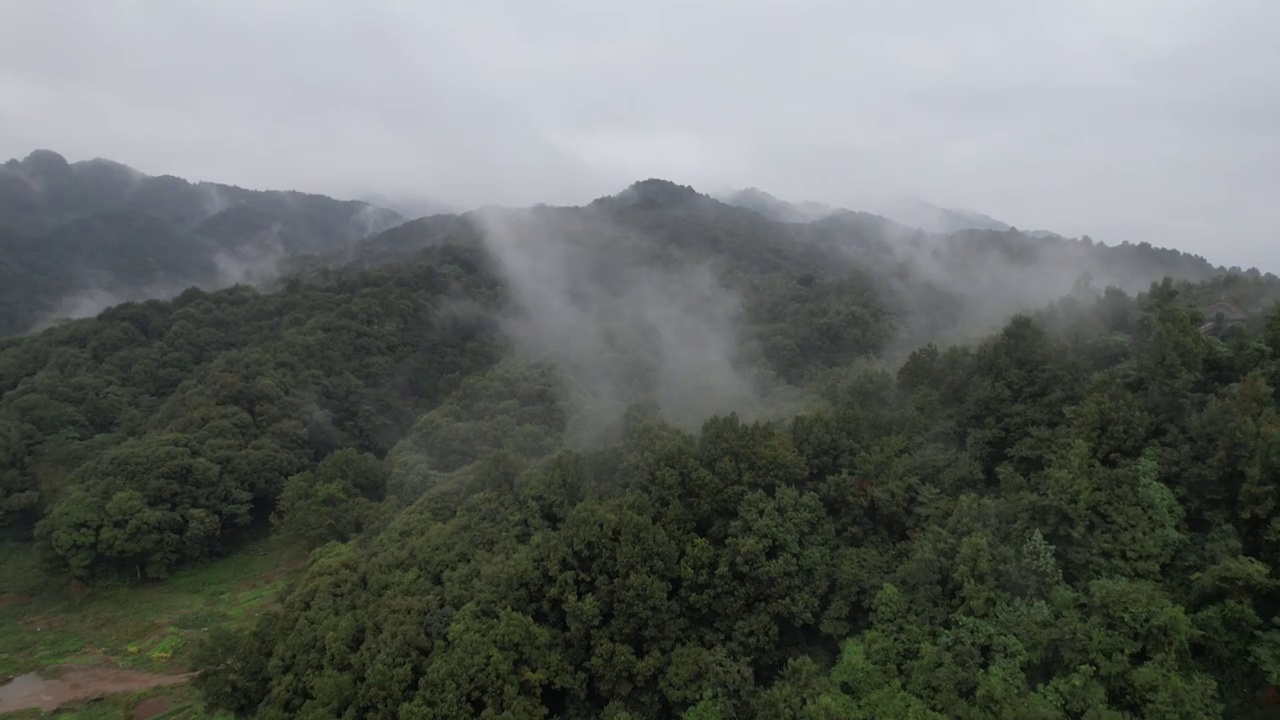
{"points": [[1229, 312]]}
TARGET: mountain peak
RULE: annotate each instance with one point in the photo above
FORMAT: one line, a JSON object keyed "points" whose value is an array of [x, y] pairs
{"points": [[914, 212], [105, 165], [43, 157], [775, 208], [654, 192], [45, 162], [755, 193], [41, 167]]}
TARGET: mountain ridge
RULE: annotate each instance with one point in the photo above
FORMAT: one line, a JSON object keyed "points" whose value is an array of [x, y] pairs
{"points": [[165, 233], [54, 214], [908, 213]]}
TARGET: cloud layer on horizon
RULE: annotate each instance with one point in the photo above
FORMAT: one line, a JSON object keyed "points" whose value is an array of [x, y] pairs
{"points": [[1145, 120]]}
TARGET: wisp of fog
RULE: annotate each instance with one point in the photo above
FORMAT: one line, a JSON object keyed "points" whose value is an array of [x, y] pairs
{"points": [[621, 325]]}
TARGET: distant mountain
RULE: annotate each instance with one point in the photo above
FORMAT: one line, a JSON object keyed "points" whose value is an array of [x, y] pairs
{"points": [[777, 209], [931, 218], [77, 237], [409, 207], [937, 286], [909, 213]]}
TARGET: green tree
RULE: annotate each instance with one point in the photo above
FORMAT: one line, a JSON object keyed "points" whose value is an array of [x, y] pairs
{"points": [[334, 502]]}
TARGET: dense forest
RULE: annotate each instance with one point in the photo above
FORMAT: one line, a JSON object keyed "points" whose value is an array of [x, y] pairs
{"points": [[1073, 518], [660, 456]]}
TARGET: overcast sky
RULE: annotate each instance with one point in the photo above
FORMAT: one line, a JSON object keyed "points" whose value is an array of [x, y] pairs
{"points": [[1125, 119]]}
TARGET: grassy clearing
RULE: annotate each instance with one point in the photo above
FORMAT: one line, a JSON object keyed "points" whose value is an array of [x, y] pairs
{"points": [[152, 628]]}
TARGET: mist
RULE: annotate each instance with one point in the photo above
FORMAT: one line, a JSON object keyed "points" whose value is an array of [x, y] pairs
{"points": [[257, 261], [957, 287], [97, 293], [620, 325]]}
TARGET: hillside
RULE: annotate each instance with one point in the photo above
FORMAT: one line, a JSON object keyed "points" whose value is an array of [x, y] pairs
{"points": [[660, 456], [931, 218], [916, 214], [76, 238], [1066, 520], [79, 237], [988, 275], [775, 208], [938, 287]]}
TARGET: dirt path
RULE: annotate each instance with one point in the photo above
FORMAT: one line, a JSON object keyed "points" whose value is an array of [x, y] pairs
{"points": [[70, 683], [150, 708]]}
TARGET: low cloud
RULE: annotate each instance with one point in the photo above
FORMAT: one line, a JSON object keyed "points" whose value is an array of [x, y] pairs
{"points": [[620, 324]]}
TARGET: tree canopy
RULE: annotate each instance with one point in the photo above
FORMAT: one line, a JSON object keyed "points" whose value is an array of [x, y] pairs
{"points": [[1034, 526]]}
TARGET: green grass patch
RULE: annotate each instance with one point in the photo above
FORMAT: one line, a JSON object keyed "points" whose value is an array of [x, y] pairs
{"points": [[45, 622], [249, 602], [167, 648], [20, 572], [202, 619]]}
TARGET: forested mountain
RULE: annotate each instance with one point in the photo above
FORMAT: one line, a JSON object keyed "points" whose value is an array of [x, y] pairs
{"points": [[659, 456], [776, 208], [78, 237], [931, 218], [408, 206], [960, 285], [915, 214], [937, 287]]}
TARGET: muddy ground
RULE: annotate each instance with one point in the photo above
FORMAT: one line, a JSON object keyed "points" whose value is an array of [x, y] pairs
{"points": [[59, 686]]}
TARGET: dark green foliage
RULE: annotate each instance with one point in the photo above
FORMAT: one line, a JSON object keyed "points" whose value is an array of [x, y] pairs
{"points": [[812, 324], [335, 502], [152, 435], [1025, 529]]}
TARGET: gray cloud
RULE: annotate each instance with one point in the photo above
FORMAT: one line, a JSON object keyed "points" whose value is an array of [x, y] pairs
{"points": [[1140, 120]]}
